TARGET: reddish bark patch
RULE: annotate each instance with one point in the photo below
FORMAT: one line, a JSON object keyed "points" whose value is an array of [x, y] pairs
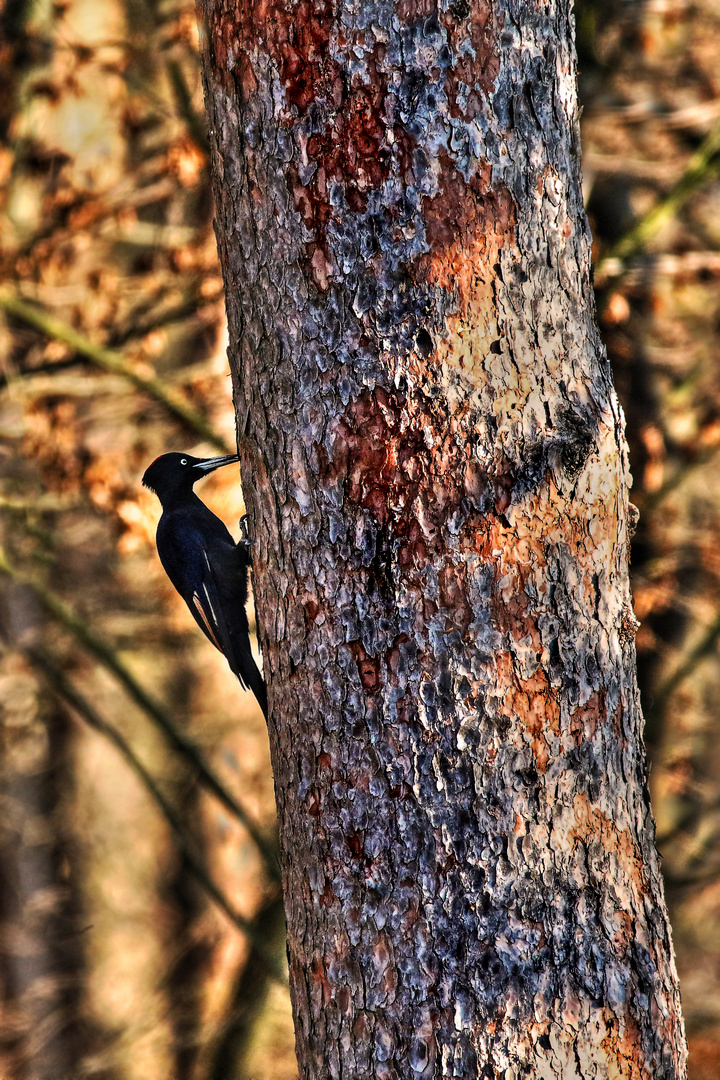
{"points": [[363, 450], [414, 551], [461, 207], [327, 897], [408, 11], [466, 223], [354, 147], [381, 449], [533, 705], [307, 70], [312, 610], [586, 718], [473, 74], [368, 668], [313, 804], [296, 38], [454, 597], [406, 710], [351, 150], [476, 483], [355, 842], [402, 792], [543, 710], [319, 981], [361, 1026]]}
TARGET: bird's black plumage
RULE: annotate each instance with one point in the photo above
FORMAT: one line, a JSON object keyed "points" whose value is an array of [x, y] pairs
{"points": [[206, 566]]}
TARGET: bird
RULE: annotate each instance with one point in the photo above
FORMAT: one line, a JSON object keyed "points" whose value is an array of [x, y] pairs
{"points": [[203, 562]]}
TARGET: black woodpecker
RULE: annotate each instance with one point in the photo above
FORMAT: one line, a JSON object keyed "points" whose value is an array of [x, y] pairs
{"points": [[206, 566]]}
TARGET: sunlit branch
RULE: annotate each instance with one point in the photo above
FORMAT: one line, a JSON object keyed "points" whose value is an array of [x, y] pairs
{"points": [[702, 167], [112, 361]]}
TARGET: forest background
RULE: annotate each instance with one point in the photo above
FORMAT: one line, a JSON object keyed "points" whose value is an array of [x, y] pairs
{"points": [[140, 925]]}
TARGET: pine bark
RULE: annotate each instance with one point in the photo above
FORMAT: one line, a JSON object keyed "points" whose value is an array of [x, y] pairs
{"points": [[434, 461]]}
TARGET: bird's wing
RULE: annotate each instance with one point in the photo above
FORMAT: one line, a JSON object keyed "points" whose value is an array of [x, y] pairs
{"points": [[207, 616], [210, 602], [219, 604], [210, 574]]}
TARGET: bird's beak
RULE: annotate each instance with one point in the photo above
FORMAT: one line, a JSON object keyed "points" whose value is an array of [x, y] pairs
{"points": [[211, 463]]}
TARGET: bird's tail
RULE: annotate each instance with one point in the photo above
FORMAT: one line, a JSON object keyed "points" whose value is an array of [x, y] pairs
{"points": [[257, 684], [244, 666]]}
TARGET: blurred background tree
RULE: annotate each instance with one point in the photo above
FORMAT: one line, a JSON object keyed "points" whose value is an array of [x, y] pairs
{"points": [[140, 926]]}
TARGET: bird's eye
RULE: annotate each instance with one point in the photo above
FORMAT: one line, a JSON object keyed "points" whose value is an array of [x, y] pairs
{"points": [[183, 461]]}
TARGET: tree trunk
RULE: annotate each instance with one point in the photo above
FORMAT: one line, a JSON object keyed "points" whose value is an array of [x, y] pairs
{"points": [[435, 466]]}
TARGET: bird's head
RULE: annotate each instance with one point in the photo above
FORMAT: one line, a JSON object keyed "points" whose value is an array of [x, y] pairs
{"points": [[172, 475]]}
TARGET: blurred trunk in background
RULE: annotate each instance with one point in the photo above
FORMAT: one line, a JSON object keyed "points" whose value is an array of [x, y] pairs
{"points": [[42, 960]]}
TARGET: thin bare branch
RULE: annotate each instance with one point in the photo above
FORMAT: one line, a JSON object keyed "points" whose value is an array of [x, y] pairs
{"points": [[184, 746], [194, 124], [65, 689], [687, 665]]}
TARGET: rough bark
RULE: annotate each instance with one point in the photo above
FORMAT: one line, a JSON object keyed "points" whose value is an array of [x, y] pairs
{"points": [[434, 460]]}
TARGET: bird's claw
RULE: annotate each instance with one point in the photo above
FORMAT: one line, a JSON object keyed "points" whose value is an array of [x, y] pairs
{"points": [[242, 525]]}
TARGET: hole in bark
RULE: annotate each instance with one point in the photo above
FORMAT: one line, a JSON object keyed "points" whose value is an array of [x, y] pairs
{"points": [[424, 343], [577, 440], [460, 10]]}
